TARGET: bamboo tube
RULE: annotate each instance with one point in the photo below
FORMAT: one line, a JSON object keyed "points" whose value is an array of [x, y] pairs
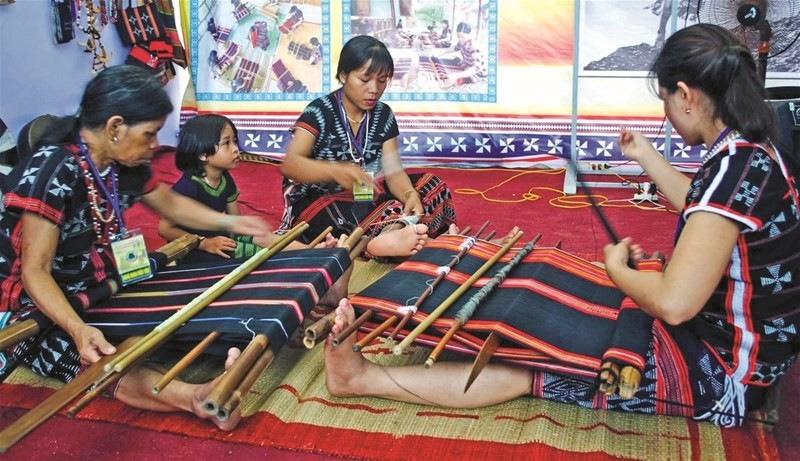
{"points": [[185, 362], [231, 379], [433, 316], [16, 332], [353, 327], [204, 299], [320, 327], [51, 405], [437, 351], [264, 360], [490, 235], [353, 238], [320, 237], [466, 230], [374, 333], [180, 247], [358, 248]]}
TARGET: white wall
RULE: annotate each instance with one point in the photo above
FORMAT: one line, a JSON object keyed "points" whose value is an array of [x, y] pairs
{"points": [[37, 76]]}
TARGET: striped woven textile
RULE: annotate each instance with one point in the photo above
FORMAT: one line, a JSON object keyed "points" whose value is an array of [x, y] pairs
{"points": [[272, 299], [556, 312]]}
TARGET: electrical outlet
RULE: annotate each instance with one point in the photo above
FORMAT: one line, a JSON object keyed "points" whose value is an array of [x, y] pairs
{"points": [[645, 197]]}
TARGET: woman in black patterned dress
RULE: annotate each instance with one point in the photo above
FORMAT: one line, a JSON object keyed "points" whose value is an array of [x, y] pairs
{"points": [[349, 138]]}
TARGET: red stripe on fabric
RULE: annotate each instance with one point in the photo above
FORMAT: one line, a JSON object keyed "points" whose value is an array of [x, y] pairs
{"points": [[152, 18], [34, 206], [99, 264], [626, 356], [313, 131], [127, 22], [255, 272], [236, 302], [138, 18], [348, 406], [747, 297]]}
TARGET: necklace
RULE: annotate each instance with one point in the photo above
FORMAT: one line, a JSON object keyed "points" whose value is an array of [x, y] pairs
{"points": [[724, 139], [355, 121], [110, 225]]}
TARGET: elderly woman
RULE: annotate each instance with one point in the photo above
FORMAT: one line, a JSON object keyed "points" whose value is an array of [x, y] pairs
{"points": [[64, 210]]}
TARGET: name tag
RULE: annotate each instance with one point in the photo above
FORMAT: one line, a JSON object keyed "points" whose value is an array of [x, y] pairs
{"points": [[362, 192], [130, 254]]}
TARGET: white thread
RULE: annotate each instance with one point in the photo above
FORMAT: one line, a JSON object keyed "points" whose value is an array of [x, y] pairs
{"points": [[443, 270], [247, 327], [407, 309], [467, 244]]}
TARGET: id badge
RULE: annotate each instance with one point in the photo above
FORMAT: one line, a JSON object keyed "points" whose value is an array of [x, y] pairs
{"points": [[130, 253], [362, 192]]}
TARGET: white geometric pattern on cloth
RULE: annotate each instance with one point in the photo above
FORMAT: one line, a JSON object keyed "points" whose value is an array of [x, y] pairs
{"points": [[776, 278], [730, 408], [747, 193], [772, 224], [781, 329]]}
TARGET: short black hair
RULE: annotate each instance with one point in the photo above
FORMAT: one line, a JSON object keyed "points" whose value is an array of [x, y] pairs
{"points": [[200, 136], [362, 49]]}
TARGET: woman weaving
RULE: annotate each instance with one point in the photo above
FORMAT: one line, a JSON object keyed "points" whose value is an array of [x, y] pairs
{"points": [[726, 304], [63, 225], [343, 168]]}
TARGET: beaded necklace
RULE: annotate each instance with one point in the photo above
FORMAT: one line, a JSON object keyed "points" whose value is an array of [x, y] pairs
{"points": [[110, 226], [727, 135]]}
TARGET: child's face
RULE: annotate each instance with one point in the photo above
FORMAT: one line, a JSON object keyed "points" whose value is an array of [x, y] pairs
{"points": [[227, 155]]}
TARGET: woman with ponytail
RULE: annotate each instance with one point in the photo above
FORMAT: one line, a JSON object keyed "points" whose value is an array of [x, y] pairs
{"points": [[725, 307]]}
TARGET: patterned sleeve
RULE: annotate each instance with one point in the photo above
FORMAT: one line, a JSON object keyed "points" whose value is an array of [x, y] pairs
{"points": [[312, 119], [746, 186], [45, 187], [391, 129]]}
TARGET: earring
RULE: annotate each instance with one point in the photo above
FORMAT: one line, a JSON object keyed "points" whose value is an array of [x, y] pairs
{"points": [[114, 140], [687, 110]]}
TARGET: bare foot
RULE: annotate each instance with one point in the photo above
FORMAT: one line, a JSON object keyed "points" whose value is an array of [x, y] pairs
{"points": [[507, 238], [400, 242], [344, 369], [203, 391], [453, 230]]}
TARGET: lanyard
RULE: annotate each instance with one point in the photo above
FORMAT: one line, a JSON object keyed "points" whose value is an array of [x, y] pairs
{"points": [[111, 196], [352, 139]]}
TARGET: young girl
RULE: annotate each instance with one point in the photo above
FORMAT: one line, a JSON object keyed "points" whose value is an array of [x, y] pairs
{"points": [[725, 307], [207, 150]]}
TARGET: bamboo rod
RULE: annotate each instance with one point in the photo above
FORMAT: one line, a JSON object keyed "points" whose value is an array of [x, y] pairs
{"points": [[353, 327], [374, 333], [481, 229], [51, 405], [204, 299], [433, 316], [17, 331], [490, 235], [320, 237], [185, 362], [437, 351], [231, 379], [180, 247], [264, 360], [466, 230]]}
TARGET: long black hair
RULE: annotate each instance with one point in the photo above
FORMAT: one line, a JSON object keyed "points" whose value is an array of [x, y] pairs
{"points": [[200, 136], [710, 58], [127, 91], [362, 49]]}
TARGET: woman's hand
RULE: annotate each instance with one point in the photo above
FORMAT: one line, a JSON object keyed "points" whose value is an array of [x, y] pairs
{"points": [[617, 256], [634, 145], [219, 245], [413, 205], [347, 175], [91, 344], [245, 225]]}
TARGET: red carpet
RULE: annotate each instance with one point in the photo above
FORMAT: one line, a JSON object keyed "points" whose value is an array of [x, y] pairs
{"points": [[536, 194]]}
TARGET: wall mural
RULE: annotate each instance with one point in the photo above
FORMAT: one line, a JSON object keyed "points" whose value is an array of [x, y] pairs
{"points": [[478, 82]]}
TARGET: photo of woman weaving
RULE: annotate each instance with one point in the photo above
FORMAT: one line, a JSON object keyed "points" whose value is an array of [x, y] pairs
{"points": [[343, 169], [62, 233], [719, 318]]}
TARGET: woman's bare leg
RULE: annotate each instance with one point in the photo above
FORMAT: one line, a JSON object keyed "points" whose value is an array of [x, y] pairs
{"points": [[135, 387], [348, 374]]}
